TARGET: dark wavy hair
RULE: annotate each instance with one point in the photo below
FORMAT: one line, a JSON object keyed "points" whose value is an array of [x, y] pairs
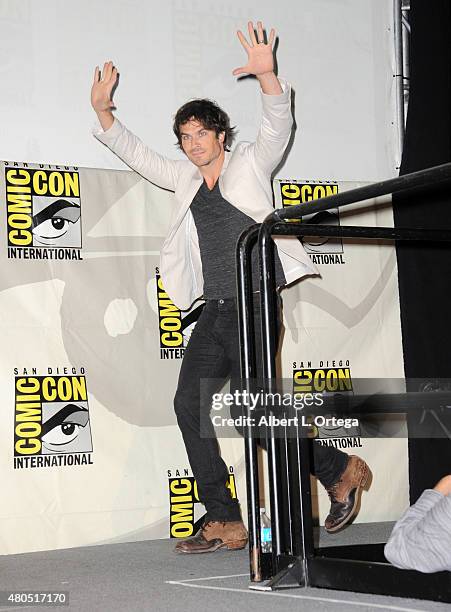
{"points": [[208, 114]]}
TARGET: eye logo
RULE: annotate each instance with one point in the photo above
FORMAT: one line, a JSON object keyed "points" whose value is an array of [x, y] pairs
{"points": [[57, 224], [325, 217], [328, 381], [65, 431], [43, 212], [293, 193], [51, 423]]}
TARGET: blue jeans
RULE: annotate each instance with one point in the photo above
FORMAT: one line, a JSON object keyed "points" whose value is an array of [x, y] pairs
{"points": [[213, 354]]}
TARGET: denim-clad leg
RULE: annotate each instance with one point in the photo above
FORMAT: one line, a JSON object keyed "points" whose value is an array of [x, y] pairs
{"points": [[213, 354], [206, 357]]}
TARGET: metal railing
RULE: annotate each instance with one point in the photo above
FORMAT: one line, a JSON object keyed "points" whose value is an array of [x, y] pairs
{"points": [[294, 561]]}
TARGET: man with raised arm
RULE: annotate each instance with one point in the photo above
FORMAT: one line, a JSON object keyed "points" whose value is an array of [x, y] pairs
{"points": [[218, 195]]}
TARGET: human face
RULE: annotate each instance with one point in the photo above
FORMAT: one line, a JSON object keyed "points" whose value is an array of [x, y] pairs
{"points": [[200, 145]]}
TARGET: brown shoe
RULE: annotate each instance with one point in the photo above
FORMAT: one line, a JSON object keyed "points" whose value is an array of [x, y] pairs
{"points": [[345, 494], [214, 535]]}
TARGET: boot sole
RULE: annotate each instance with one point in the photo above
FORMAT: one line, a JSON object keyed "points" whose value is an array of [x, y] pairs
{"points": [[237, 545], [364, 484]]}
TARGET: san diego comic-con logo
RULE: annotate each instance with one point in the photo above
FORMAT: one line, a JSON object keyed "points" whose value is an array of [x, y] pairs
{"points": [[329, 377], [51, 420], [321, 249], [43, 211], [183, 496], [175, 326]]}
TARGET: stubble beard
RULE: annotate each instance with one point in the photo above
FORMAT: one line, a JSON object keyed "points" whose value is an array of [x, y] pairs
{"points": [[200, 164]]}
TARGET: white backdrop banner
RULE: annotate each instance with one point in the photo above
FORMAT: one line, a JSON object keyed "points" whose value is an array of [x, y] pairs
{"points": [[92, 346], [338, 56]]}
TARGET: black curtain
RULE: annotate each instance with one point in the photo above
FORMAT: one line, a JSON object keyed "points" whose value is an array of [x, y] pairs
{"points": [[425, 271]]}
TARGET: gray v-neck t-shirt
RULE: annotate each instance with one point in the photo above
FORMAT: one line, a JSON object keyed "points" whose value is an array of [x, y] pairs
{"points": [[219, 225]]}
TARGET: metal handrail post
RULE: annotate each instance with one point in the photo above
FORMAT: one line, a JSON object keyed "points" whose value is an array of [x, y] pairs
{"points": [[268, 334], [299, 543], [248, 372]]}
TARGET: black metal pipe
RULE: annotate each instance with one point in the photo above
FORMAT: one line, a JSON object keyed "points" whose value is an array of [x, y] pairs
{"points": [[282, 228], [301, 502], [248, 372], [268, 335], [245, 244], [267, 298]]}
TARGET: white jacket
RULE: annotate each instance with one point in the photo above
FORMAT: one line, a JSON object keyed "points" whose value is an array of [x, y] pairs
{"points": [[244, 182]]}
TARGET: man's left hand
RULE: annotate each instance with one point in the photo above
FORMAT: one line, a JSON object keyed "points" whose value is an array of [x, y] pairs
{"points": [[260, 54]]}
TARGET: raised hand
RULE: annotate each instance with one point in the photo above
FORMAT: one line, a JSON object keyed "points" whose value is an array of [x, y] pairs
{"points": [[102, 88], [260, 55]]}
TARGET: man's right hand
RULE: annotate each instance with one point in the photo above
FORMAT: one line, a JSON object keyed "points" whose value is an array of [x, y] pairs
{"points": [[101, 91]]}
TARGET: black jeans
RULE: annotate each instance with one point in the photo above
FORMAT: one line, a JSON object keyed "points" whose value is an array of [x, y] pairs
{"points": [[212, 354]]}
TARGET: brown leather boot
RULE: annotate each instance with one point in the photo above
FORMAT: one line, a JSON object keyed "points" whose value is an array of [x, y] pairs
{"points": [[214, 535], [345, 493]]}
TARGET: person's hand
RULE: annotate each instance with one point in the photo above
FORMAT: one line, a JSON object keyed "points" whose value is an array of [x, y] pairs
{"points": [[444, 485], [260, 55], [102, 88]]}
